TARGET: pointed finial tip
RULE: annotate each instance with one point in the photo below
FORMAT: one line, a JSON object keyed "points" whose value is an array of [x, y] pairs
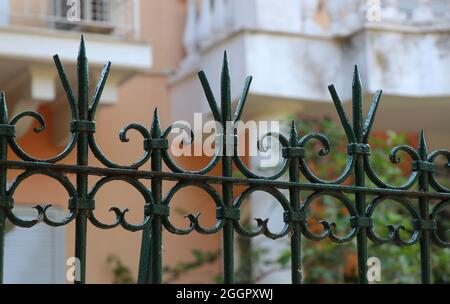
{"points": [[225, 58], [155, 126], [356, 76], [293, 125], [422, 133], [156, 116], [423, 149], [82, 49], [293, 134], [2, 98], [3, 109], [225, 66]]}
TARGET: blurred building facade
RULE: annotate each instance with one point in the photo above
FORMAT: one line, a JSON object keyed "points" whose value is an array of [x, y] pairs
{"points": [[296, 48], [293, 48]]}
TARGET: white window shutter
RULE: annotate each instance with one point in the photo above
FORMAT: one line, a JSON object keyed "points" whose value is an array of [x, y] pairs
{"points": [[35, 255]]}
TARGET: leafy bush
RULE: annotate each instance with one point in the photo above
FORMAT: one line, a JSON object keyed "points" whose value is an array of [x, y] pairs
{"points": [[327, 262]]}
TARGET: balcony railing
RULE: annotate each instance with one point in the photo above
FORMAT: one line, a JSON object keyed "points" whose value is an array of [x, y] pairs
{"points": [[112, 17], [209, 21]]}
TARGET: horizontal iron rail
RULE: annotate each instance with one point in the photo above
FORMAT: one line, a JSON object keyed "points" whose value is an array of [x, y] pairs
{"points": [[171, 176]]}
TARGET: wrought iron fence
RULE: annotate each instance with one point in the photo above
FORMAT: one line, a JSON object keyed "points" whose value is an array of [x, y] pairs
{"points": [[117, 17], [302, 179]]}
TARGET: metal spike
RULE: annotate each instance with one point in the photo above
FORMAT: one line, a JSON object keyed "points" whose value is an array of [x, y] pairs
{"points": [[209, 96], [242, 99], [293, 135], [423, 148], [155, 129], [225, 90], [99, 89], [341, 112], [357, 105], [67, 87], [356, 77], [371, 116], [82, 48], [3, 109], [83, 80]]}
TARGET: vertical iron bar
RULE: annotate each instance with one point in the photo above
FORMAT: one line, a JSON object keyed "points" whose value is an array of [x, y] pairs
{"points": [[3, 181], [156, 164], [425, 258], [359, 176], [145, 265], [82, 160], [294, 195], [227, 171], [150, 264]]}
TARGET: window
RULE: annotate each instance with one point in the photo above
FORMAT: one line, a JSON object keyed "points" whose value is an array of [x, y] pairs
{"points": [[95, 16], [99, 10], [35, 255]]}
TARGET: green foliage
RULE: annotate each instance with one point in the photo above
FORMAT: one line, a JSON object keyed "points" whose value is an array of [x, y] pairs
{"points": [[201, 258], [121, 273], [327, 262]]}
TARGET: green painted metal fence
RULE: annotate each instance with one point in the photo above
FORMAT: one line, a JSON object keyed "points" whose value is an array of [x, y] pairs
{"points": [[417, 202]]}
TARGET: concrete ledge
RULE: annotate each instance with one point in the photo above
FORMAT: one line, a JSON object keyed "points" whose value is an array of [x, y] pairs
{"points": [[40, 45]]}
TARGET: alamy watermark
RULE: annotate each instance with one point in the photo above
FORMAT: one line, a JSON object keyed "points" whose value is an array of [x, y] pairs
{"points": [[73, 272], [373, 13], [73, 10], [211, 138], [374, 270]]}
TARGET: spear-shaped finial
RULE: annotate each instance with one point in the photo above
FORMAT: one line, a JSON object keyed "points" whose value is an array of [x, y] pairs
{"points": [[358, 133], [224, 114], [356, 78], [293, 135], [155, 129], [83, 80], [423, 148], [3, 109], [225, 90], [357, 105], [82, 48]]}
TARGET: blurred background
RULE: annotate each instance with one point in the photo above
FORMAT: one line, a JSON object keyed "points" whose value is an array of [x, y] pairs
{"points": [[293, 48]]}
